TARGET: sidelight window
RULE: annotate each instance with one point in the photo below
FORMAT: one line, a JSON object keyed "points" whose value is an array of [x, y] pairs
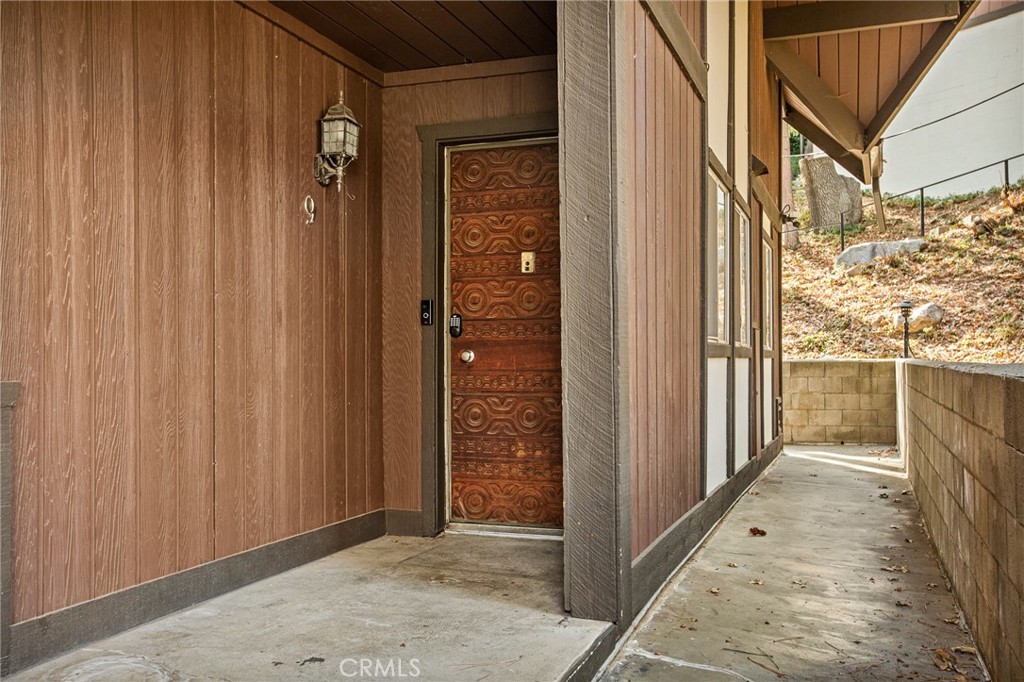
{"points": [[718, 270]]}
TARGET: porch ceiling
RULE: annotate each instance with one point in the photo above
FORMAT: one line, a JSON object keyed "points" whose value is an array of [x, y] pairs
{"points": [[401, 35], [849, 67]]}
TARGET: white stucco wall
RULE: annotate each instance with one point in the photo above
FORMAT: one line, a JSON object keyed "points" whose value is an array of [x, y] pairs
{"points": [[718, 79], [981, 61], [767, 403], [741, 420], [718, 409]]}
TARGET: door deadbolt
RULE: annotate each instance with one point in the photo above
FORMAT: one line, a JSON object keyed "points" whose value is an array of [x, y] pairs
{"points": [[455, 325]]}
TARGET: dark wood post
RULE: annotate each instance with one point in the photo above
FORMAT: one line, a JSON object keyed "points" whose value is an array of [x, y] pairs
{"points": [[594, 309]]}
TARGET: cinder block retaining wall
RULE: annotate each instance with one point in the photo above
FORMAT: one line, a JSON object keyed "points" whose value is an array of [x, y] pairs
{"points": [[839, 401], [961, 431]]}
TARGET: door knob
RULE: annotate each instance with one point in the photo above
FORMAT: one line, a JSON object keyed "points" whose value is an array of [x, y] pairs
{"points": [[467, 356]]}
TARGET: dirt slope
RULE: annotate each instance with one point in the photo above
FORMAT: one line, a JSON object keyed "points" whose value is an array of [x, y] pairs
{"points": [[977, 278]]}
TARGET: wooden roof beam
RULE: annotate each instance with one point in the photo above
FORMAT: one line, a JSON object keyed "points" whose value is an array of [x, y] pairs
{"points": [[916, 73], [844, 127], [842, 16], [854, 162]]}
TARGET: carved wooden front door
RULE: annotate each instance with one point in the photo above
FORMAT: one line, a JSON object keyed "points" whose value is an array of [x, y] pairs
{"points": [[506, 379]]}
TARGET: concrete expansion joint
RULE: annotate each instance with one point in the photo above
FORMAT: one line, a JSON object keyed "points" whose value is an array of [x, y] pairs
{"points": [[685, 664]]}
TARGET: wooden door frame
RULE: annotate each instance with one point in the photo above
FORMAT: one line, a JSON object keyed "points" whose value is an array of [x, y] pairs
{"points": [[435, 139]]}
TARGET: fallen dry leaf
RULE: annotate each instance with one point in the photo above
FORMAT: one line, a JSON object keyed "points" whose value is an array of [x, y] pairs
{"points": [[931, 585], [963, 649], [757, 581], [731, 564], [896, 569], [884, 496], [952, 620], [944, 659], [714, 590], [902, 603], [758, 531]]}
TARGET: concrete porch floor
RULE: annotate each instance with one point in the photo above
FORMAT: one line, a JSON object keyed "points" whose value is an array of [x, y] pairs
{"points": [[464, 607], [812, 599]]}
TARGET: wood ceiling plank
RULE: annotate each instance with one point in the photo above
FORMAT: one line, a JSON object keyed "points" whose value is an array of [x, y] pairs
{"points": [[828, 62], [310, 36], [546, 11], [414, 33], [867, 98], [346, 15], [325, 25], [527, 26], [479, 19], [910, 47], [888, 61], [441, 22]]}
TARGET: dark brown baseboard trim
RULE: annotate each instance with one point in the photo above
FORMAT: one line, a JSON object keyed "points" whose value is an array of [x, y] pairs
{"points": [[404, 522], [652, 568], [35, 640], [586, 666]]}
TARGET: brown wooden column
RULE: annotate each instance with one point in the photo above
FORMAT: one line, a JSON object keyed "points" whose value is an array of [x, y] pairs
{"points": [[594, 310]]}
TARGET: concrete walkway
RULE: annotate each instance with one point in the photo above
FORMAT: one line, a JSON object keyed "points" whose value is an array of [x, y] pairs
{"points": [[459, 607], [844, 586]]}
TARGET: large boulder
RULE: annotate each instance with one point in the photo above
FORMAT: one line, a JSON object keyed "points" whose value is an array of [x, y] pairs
{"points": [[829, 194], [925, 317], [869, 251]]}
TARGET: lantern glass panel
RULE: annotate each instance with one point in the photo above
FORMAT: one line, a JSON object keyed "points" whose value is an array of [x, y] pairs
{"points": [[333, 137], [351, 139]]}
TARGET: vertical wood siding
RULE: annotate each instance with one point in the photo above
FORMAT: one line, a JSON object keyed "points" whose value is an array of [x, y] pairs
{"points": [[765, 123], [200, 369], [405, 108], [664, 204]]}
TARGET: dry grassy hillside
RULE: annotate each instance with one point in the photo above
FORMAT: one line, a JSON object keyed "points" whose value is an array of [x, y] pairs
{"points": [[977, 279]]}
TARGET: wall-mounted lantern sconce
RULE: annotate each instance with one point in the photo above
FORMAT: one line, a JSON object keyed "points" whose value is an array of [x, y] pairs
{"points": [[339, 143]]}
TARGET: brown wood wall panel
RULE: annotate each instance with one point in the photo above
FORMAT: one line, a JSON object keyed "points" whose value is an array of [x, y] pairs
{"points": [[404, 108], [311, 322], [665, 354], [195, 265], [229, 246], [288, 137], [337, 424], [67, 368], [158, 195], [197, 363], [115, 548], [22, 244], [355, 351], [374, 370]]}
